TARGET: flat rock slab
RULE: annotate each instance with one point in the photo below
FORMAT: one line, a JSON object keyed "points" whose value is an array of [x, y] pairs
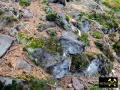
{"points": [[5, 43]]}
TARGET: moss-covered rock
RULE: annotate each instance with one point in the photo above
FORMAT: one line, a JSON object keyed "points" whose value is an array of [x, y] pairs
{"points": [[79, 62]]}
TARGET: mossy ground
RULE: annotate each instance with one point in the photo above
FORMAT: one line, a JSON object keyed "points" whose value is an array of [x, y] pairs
{"points": [[106, 20], [30, 42], [95, 87], [113, 4]]}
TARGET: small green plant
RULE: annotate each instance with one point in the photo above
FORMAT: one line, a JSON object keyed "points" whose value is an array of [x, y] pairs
{"points": [[9, 19], [24, 3], [1, 12], [97, 35], [116, 46], [38, 84], [51, 82], [95, 87], [99, 45], [68, 18], [84, 38], [51, 15], [45, 2], [52, 33]]}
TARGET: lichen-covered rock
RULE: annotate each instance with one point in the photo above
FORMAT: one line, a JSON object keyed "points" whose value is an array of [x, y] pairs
{"points": [[43, 58], [70, 43], [84, 25], [26, 13], [61, 21], [62, 68]]}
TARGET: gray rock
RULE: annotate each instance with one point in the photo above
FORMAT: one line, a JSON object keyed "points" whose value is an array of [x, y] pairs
{"points": [[5, 43], [8, 80], [76, 84], [62, 68], [109, 31], [43, 58], [22, 64], [70, 43], [85, 27], [93, 67], [14, 30], [61, 21], [59, 88], [26, 13]]}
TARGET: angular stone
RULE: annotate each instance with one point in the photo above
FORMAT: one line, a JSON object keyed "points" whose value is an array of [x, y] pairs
{"points": [[22, 64], [70, 43], [62, 68], [5, 43], [76, 84], [44, 58]]}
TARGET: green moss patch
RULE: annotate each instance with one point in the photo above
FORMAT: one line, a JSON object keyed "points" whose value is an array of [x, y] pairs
{"points": [[30, 42], [53, 45], [24, 3], [84, 38], [95, 87], [97, 35], [51, 15]]}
